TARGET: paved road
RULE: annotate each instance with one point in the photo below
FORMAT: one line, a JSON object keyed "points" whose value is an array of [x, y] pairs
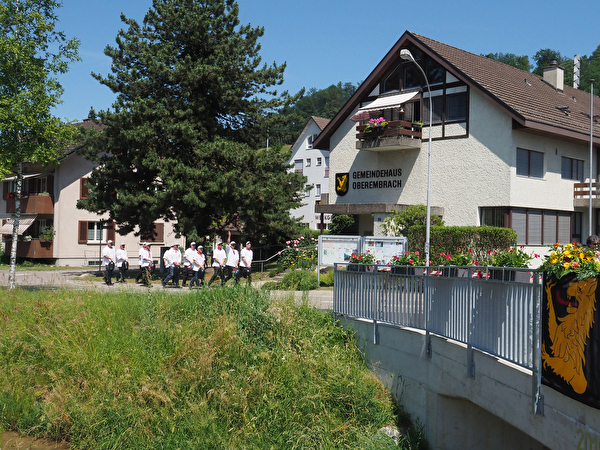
{"points": [[86, 279]]}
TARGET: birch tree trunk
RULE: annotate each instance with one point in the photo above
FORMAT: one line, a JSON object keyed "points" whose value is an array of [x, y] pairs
{"points": [[15, 232]]}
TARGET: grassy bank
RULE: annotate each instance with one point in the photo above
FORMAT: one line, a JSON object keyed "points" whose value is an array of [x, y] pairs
{"points": [[217, 369]]}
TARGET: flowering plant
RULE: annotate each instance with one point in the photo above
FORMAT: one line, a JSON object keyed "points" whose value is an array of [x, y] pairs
{"points": [[571, 258], [362, 258], [511, 257], [375, 123], [407, 259], [47, 233], [459, 258], [301, 253]]}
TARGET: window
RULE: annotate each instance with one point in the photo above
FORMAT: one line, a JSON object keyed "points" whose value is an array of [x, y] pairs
{"points": [[392, 82], [311, 139], [308, 162], [536, 226], [572, 169], [326, 167], [307, 190], [530, 163], [319, 162], [318, 193], [437, 103], [298, 166], [456, 107], [95, 232]]}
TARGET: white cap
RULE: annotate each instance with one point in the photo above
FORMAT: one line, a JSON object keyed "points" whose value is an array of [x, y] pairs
{"points": [[175, 244], [145, 244], [122, 244], [109, 242], [232, 243], [193, 243]]}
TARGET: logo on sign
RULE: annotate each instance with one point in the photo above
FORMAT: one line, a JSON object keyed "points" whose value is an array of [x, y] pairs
{"points": [[341, 183]]}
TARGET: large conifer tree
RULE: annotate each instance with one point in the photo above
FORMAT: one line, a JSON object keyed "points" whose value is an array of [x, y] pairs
{"points": [[192, 102]]}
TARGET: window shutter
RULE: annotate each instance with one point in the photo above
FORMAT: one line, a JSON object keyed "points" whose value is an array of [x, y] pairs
{"points": [[5, 190], [83, 232], [110, 232], [83, 189], [159, 232]]}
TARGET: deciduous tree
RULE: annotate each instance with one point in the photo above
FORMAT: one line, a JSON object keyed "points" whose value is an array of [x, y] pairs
{"points": [[32, 54]]}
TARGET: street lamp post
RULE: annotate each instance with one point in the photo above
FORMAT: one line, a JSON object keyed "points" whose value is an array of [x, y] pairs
{"points": [[591, 153], [406, 55]]}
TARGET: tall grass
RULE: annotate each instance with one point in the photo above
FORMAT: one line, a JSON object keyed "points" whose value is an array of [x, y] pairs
{"points": [[218, 369]]}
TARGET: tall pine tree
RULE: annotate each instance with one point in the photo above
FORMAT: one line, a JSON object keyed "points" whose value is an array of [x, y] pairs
{"points": [[192, 102]]}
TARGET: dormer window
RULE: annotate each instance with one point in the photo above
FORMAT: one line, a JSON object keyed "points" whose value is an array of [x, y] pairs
{"points": [[311, 139]]}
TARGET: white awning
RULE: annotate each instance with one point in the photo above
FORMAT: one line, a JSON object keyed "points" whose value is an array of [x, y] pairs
{"points": [[26, 175], [388, 102], [25, 221]]}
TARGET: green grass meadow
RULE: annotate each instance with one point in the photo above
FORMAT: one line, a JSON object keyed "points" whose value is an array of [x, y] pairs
{"points": [[216, 369]]}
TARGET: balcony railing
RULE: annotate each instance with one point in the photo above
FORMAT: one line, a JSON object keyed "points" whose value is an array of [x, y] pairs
{"points": [[397, 135], [32, 204], [33, 249]]}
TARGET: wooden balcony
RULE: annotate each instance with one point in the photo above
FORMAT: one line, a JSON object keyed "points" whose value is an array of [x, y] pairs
{"points": [[32, 204], [397, 135], [34, 249]]}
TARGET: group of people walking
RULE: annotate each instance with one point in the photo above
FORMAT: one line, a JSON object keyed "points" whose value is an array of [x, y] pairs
{"points": [[227, 263]]}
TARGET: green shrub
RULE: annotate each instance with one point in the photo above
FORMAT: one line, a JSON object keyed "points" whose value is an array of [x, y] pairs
{"points": [[272, 273], [448, 239], [299, 280], [327, 278]]}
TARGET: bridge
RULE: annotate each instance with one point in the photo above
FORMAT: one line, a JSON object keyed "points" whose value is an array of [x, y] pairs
{"points": [[463, 355]]}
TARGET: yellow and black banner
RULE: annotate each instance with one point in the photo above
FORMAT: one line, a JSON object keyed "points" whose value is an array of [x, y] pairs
{"points": [[571, 339]]}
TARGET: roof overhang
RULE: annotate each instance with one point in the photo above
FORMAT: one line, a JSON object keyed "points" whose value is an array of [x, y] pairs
{"points": [[25, 221]]}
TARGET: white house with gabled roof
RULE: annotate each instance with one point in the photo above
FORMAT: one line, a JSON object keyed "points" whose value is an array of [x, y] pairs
{"points": [[313, 163], [509, 148]]}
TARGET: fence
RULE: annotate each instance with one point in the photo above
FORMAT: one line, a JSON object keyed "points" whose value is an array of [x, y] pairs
{"points": [[495, 310]]}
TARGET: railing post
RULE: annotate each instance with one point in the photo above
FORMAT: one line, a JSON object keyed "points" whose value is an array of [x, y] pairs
{"points": [[471, 324], [536, 378], [427, 311]]}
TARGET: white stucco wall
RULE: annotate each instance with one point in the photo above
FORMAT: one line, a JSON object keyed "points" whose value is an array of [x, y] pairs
{"points": [[315, 175]]}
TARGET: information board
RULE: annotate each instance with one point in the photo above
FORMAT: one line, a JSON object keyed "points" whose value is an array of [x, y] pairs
{"points": [[384, 248], [337, 249]]}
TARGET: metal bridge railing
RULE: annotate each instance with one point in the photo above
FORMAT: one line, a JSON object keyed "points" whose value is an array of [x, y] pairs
{"points": [[496, 310]]}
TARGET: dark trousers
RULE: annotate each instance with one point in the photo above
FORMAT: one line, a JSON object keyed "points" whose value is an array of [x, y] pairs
{"points": [[108, 274], [172, 273], [198, 278], [144, 276], [187, 272], [229, 273], [244, 272], [218, 272], [121, 275]]}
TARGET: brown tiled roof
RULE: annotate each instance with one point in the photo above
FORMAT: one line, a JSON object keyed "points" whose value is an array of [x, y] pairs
{"points": [[321, 122], [529, 100]]}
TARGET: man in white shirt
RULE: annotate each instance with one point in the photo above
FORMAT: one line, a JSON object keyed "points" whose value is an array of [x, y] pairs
{"points": [[172, 260], [108, 258], [233, 260], [122, 262], [145, 260], [245, 263], [188, 261], [218, 264], [198, 267]]}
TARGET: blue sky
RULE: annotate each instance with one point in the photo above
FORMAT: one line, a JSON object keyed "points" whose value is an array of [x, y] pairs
{"points": [[324, 42]]}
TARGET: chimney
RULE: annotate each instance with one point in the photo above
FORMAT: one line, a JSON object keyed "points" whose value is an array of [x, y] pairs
{"points": [[554, 75]]}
